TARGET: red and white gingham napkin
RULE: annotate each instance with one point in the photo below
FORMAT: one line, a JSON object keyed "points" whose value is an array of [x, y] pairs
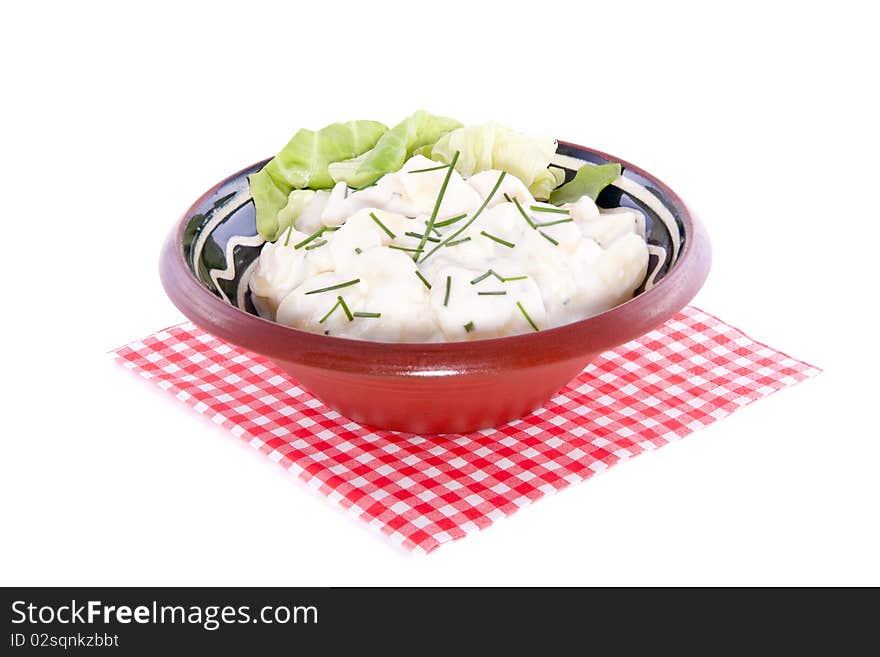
{"points": [[422, 491]]}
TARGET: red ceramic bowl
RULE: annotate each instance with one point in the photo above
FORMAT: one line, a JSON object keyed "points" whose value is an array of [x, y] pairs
{"points": [[426, 388]]}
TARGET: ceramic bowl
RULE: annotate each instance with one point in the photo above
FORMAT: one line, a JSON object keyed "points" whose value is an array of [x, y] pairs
{"points": [[454, 387]]}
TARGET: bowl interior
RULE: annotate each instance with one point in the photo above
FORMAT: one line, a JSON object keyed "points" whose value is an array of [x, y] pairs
{"points": [[221, 244]]}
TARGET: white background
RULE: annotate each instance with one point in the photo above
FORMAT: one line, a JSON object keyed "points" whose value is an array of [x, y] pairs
{"points": [[114, 119]]}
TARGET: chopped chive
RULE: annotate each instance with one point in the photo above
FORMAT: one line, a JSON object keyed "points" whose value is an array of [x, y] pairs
{"points": [[345, 308], [448, 288], [289, 232], [469, 221], [437, 168], [436, 232], [501, 278], [310, 238], [336, 287], [457, 242], [357, 250], [439, 201], [554, 223], [492, 294], [507, 198], [548, 238], [523, 213], [526, 315], [419, 235], [373, 315], [423, 279], [482, 277], [316, 245], [509, 245], [329, 312], [382, 226], [313, 236], [404, 248], [469, 327], [539, 208], [449, 222]]}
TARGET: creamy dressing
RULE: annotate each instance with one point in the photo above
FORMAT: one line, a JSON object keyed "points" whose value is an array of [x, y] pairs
{"points": [[519, 266]]}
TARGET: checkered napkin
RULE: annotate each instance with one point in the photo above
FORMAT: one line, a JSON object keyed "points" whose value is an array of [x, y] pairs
{"points": [[422, 491]]}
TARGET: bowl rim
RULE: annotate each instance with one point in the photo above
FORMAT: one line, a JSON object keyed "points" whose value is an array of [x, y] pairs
{"points": [[582, 338]]}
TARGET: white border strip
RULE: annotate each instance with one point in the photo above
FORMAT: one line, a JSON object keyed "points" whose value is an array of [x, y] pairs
{"points": [[660, 252], [233, 204], [229, 273]]}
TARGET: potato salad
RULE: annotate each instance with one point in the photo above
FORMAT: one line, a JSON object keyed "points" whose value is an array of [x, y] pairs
{"points": [[441, 249]]}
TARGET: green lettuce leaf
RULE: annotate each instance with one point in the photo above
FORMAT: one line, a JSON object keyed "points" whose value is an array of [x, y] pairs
{"points": [[542, 185], [303, 163], [269, 198], [494, 146], [296, 203], [545, 182], [417, 132], [424, 151], [558, 174], [588, 181]]}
